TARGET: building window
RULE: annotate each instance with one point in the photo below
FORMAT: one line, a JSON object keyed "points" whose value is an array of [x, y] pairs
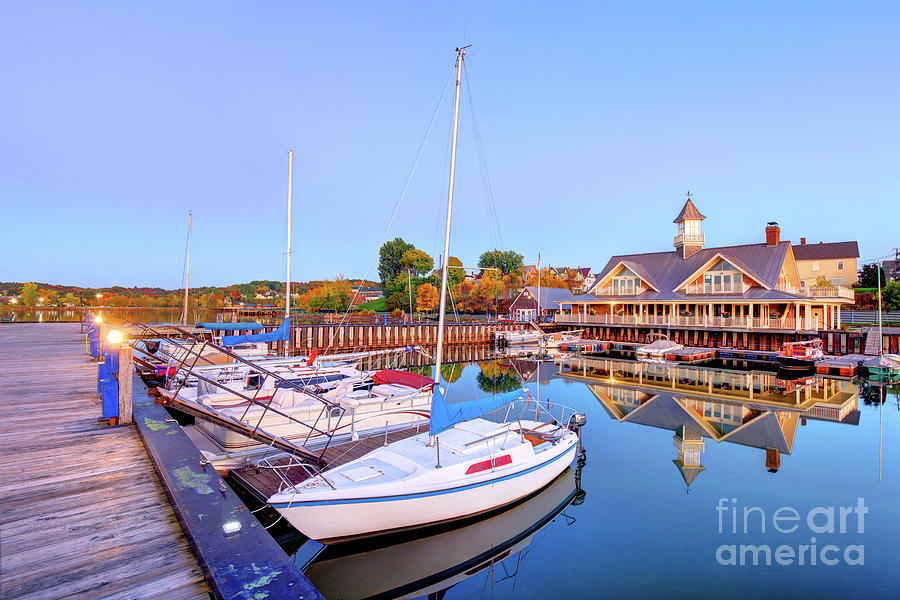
{"points": [[803, 283], [815, 265], [626, 283], [723, 278], [840, 265]]}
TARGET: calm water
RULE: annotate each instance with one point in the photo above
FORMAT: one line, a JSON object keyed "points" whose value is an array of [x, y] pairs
{"points": [[639, 530]]}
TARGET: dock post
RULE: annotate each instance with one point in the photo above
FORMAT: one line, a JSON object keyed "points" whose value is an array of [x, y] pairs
{"points": [[125, 373]]}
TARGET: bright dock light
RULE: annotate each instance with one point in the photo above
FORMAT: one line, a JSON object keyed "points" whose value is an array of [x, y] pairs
{"points": [[98, 319], [114, 337]]}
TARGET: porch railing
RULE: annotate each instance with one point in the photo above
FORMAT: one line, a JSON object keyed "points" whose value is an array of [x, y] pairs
{"points": [[720, 322]]}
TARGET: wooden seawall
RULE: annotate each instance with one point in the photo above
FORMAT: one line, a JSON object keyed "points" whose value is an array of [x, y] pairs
{"points": [[353, 336], [83, 514]]}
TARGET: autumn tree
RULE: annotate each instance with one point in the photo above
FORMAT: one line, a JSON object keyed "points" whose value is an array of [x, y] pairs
{"points": [[29, 294], [331, 295], [427, 298], [416, 262]]}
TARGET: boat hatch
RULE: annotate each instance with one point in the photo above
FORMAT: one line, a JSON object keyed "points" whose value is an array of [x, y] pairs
{"points": [[361, 473]]}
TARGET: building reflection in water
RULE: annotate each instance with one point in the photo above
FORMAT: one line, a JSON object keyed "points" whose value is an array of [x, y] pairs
{"points": [[750, 408]]}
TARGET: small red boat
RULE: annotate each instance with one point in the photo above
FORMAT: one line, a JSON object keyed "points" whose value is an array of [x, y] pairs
{"points": [[800, 355]]}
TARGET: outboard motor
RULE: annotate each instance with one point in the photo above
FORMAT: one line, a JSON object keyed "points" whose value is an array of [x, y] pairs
{"points": [[576, 422]]}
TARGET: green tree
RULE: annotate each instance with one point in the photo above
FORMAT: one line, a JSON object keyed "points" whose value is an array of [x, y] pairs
{"points": [[29, 294], [396, 301], [822, 281], [868, 276], [890, 296], [508, 261], [389, 259]]}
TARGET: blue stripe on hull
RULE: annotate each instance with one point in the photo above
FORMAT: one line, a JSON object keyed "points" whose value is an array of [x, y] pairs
{"points": [[295, 504]]}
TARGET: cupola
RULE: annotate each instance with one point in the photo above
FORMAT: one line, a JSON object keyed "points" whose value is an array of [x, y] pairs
{"points": [[689, 240]]}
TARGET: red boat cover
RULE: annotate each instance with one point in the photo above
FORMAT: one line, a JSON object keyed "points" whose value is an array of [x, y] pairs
{"points": [[413, 380]]}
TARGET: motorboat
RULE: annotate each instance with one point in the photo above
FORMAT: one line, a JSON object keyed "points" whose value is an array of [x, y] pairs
{"points": [[359, 405], [513, 337], [800, 355], [555, 340], [656, 351]]}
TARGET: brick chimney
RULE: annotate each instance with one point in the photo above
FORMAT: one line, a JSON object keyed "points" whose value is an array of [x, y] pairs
{"points": [[802, 241], [773, 234]]}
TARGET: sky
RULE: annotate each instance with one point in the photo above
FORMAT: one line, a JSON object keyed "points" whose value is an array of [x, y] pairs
{"points": [[593, 121]]}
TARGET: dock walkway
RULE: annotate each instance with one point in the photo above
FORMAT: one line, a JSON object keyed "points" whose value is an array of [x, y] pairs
{"points": [[82, 513]]}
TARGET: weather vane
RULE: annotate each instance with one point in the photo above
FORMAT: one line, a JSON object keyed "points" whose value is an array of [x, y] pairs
{"points": [[688, 194]]}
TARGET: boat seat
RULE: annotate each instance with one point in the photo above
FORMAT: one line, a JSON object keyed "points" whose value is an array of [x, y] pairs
{"points": [[389, 390]]}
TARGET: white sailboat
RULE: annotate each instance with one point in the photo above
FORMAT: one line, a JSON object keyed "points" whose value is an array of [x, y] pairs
{"points": [[465, 465]]}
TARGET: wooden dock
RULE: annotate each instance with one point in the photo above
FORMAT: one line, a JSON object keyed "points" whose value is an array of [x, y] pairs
{"points": [[83, 513]]}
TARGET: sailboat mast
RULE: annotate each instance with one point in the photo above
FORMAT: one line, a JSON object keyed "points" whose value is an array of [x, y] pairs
{"points": [[187, 270], [461, 52], [287, 294], [880, 330]]}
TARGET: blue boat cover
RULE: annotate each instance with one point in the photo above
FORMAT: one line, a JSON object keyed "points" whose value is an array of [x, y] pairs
{"points": [[444, 415], [282, 333], [252, 326]]}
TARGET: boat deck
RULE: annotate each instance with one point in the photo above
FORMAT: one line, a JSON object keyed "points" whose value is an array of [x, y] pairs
{"points": [[83, 513], [263, 483]]}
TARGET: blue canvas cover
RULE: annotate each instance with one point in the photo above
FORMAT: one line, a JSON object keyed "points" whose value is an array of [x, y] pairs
{"points": [[230, 326], [445, 415], [282, 333]]}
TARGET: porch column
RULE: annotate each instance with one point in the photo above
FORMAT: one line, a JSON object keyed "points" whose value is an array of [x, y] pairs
{"points": [[750, 317], [640, 314], [838, 317]]}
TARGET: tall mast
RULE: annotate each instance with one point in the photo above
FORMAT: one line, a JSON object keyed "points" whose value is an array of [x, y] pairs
{"points": [[460, 52], [287, 295], [880, 330], [187, 271]]}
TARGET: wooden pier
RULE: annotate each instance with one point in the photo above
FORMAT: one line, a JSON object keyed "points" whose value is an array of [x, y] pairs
{"points": [[83, 513]]}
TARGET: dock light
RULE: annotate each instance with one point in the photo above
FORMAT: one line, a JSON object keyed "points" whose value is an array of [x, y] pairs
{"points": [[115, 337], [231, 527], [14, 300], [41, 299], [98, 319]]}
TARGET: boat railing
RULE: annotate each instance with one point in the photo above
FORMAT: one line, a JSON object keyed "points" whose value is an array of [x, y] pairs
{"points": [[192, 353], [281, 468]]}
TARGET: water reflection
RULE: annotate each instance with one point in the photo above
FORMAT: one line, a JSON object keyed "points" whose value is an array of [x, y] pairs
{"points": [[430, 564], [750, 408]]}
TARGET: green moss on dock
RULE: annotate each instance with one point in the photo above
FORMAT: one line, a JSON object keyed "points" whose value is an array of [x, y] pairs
{"points": [[198, 481]]}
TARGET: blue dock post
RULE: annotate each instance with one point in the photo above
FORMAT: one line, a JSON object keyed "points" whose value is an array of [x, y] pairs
{"points": [[109, 385]]}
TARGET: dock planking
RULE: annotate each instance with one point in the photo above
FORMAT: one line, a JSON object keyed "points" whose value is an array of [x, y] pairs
{"points": [[83, 513]]}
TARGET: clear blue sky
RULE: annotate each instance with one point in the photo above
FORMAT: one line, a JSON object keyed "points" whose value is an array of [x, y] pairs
{"points": [[116, 118]]}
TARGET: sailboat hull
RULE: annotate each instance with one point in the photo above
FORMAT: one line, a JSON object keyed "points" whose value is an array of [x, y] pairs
{"points": [[348, 518]]}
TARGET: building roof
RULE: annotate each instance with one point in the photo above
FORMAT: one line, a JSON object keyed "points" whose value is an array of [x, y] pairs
{"points": [[688, 211], [822, 251], [551, 298], [666, 271], [585, 271]]}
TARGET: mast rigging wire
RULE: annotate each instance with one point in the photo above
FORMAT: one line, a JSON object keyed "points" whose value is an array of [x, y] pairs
{"points": [[387, 228]]}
